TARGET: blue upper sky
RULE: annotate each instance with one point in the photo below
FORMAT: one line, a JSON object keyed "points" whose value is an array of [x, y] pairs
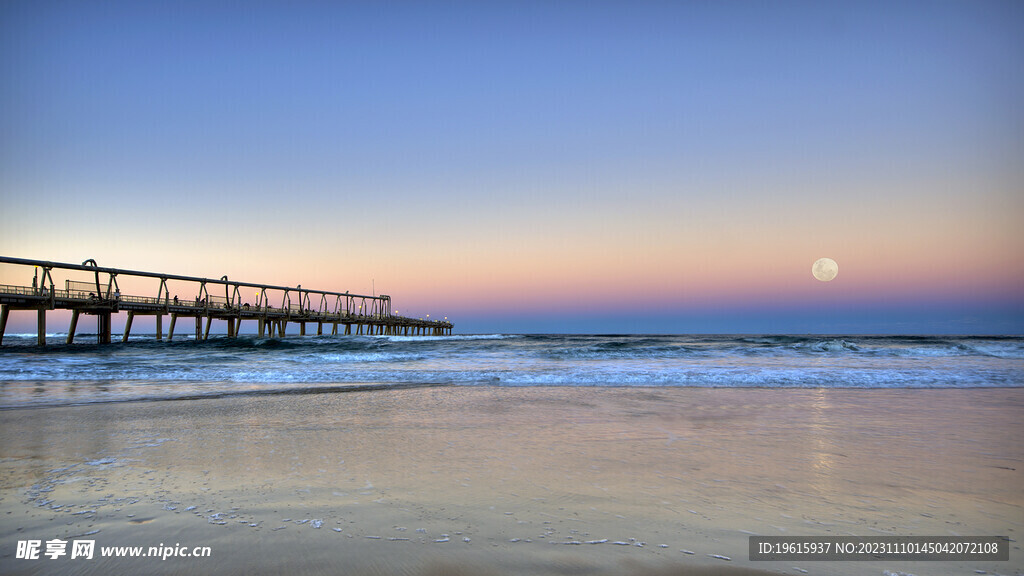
{"points": [[523, 166]]}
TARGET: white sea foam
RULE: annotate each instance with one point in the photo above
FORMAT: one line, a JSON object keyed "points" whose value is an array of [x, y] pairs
{"points": [[834, 346], [355, 357], [455, 337], [102, 462]]}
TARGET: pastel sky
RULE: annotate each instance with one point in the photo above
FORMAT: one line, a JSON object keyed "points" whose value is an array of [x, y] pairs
{"points": [[535, 166]]}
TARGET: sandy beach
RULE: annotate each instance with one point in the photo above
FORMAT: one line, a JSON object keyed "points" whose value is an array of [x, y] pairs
{"points": [[491, 480]]}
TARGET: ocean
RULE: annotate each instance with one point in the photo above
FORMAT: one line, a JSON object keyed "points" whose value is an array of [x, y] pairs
{"points": [[144, 369]]}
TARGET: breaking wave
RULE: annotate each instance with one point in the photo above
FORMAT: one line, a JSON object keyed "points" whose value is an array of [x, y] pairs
{"points": [[146, 369]]}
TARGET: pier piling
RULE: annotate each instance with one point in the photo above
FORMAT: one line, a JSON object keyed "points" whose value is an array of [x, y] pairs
{"points": [[128, 326], [4, 311], [73, 326], [103, 327]]}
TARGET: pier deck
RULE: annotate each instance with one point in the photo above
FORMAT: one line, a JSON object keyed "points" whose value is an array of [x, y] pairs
{"points": [[356, 313]]}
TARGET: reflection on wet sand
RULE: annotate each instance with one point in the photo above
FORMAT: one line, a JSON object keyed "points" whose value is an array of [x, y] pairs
{"points": [[514, 480]]}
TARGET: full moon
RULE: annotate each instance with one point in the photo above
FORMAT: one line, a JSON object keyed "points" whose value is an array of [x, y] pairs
{"points": [[825, 269]]}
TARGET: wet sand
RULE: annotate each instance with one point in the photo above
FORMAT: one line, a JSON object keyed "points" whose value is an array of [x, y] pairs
{"points": [[462, 480]]}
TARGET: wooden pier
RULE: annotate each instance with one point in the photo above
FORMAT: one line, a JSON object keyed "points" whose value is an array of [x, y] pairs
{"points": [[101, 297]]}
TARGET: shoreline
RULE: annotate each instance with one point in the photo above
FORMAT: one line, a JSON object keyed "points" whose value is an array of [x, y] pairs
{"points": [[513, 469], [315, 389]]}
